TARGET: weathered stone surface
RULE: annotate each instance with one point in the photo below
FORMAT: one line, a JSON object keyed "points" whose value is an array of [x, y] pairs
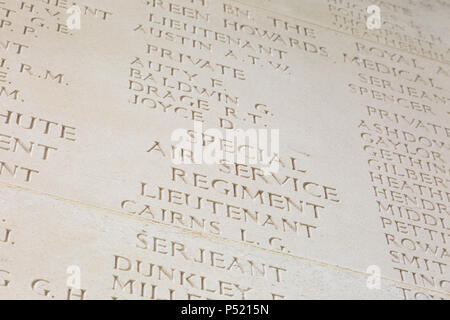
{"points": [[91, 189]]}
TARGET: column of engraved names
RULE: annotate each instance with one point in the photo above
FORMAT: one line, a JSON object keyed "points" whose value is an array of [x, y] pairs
{"points": [[187, 82], [288, 204], [401, 27], [23, 23], [29, 136], [408, 150]]}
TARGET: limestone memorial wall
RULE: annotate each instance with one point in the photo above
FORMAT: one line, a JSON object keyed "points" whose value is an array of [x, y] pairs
{"points": [[224, 149]]}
